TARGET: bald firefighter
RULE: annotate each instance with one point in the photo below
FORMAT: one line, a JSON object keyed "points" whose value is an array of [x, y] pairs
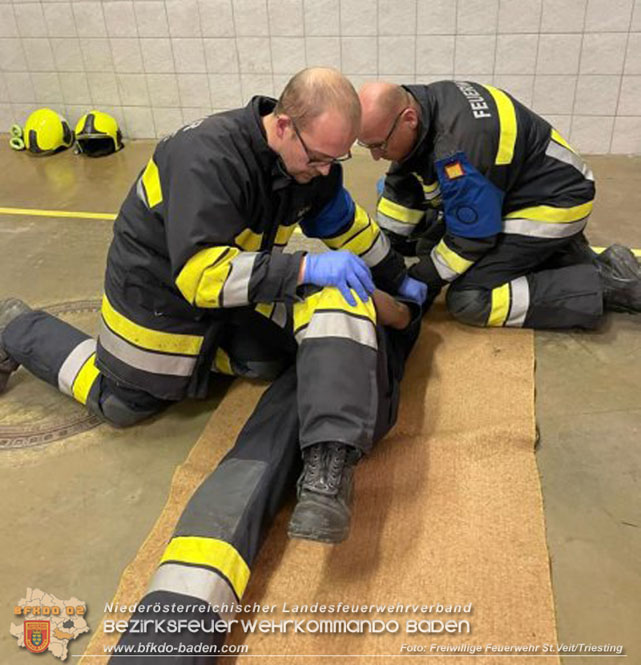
{"points": [[197, 280], [494, 201]]}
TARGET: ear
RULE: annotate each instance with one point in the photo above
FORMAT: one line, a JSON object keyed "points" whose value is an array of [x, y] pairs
{"points": [[282, 123], [411, 117]]}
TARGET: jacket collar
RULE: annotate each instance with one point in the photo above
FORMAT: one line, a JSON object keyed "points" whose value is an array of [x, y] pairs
{"points": [[258, 107], [419, 93]]}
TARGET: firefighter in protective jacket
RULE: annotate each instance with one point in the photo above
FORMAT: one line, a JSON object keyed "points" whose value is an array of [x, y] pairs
{"points": [[494, 201], [196, 281]]}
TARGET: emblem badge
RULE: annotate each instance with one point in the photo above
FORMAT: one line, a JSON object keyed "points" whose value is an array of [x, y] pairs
{"points": [[454, 170], [36, 635]]}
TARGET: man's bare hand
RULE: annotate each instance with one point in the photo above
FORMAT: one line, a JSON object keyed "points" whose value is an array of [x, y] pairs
{"points": [[390, 311]]}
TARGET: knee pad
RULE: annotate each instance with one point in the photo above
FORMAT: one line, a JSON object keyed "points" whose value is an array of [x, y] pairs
{"points": [[118, 413], [470, 306]]}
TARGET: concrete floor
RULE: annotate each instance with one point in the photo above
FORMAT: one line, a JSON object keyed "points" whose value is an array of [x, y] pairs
{"points": [[76, 510]]}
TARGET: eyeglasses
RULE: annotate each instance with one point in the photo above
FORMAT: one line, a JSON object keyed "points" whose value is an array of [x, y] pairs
{"points": [[319, 161], [382, 145]]}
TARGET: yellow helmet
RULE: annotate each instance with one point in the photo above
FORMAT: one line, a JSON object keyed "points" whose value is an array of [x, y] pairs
{"points": [[97, 134], [46, 131]]}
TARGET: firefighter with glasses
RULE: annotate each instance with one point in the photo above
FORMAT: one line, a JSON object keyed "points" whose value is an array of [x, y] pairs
{"points": [[494, 202], [197, 281]]}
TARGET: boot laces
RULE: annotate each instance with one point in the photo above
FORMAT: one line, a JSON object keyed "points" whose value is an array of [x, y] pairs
{"points": [[313, 470], [336, 455]]}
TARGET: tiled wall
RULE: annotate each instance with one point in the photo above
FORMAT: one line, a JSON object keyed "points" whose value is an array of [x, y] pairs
{"points": [[157, 64]]}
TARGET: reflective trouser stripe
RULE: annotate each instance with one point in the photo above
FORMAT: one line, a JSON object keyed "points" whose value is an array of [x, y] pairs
{"points": [[85, 379], [449, 265], [327, 314], [500, 305], [211, 553], [73, 364], [510, 304], [520, 295], [339, 324], [202, 583]]}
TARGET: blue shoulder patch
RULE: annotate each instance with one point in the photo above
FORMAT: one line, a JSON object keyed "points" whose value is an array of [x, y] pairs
{"points": [[472, 204], [337, 214]]}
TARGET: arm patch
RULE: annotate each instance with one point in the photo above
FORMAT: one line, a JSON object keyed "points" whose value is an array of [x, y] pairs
{"points": [[336, 215], [472, 204]]}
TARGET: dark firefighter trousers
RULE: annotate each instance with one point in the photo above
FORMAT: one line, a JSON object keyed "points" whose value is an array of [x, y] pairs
{"points": [[205, 568], [530, 283], [333, 344]]}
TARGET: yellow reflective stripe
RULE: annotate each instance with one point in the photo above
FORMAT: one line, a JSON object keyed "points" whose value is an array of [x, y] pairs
{"points": [[202, 278], [360, 236], [553, 215], [266, 308], [500, 305], [151, 181], [455, 261], [248, 240], [85, 379], [146, 338], [399, 212], [211, 552], [284, 233], [222, 362], [330, 298], [559, 139], [507, 123], [427, 188]]}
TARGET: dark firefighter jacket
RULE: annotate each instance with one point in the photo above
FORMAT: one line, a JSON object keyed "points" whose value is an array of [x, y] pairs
{"points": [[492, 166], [201, 231]]}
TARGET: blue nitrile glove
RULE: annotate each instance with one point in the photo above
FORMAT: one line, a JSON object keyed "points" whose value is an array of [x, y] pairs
{"points": [[412, 289], [343, 270]]}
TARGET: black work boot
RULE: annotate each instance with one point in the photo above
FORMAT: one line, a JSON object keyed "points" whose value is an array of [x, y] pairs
{"points": [[621, 279], [325, 491], [9, 310]]}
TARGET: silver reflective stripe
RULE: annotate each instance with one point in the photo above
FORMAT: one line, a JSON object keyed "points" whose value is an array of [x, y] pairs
{"points": [[430, 196], [520, 302], [148, 361], [528, 227], [560, 152], [73, 364], [279, 315], [339, 324], [442, 268], [140, 191], [378, 251], [196, 582], [236, 288], [394, 225]]}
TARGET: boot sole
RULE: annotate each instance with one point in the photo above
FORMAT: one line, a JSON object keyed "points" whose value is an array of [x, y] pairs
{"points": [[327, 537]]}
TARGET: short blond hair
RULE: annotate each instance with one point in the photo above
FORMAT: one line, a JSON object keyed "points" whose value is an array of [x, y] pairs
{"points": [[312, 91]]}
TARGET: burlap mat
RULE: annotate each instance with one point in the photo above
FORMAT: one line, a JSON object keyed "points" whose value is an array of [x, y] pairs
{"points": [[448, 511]]}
